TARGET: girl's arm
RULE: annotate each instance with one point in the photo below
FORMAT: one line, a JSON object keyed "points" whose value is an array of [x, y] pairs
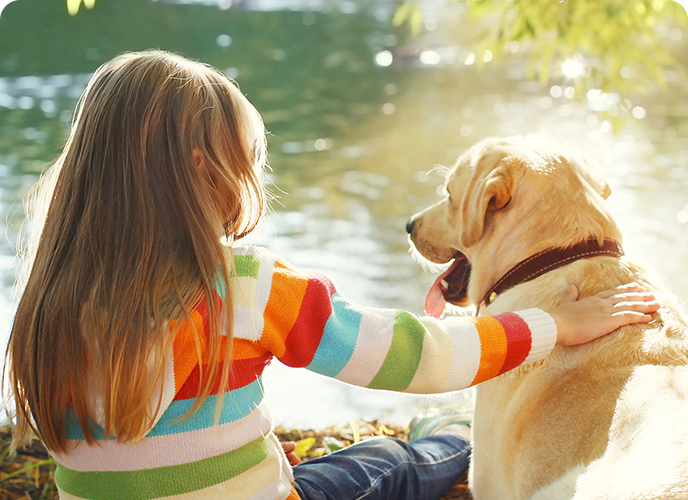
{"points": [[307, 323]]}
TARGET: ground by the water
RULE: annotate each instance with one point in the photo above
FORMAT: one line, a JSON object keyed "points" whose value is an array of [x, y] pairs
{"points": [[28, 474]]}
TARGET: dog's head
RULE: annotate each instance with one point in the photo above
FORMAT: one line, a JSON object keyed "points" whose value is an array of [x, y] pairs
{"points": [[507, 199]]}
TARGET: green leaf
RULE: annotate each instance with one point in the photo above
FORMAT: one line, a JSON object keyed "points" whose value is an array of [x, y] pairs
{"points": [[408, 13], [332, 444], [73, 6], [607, 33], [416, 19], [402, 14]]}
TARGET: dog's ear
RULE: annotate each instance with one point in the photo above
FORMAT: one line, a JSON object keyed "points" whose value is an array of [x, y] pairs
{"points": [[486, 194]]}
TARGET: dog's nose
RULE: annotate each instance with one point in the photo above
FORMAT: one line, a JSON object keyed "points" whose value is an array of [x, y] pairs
{"points": [[409, 226]]}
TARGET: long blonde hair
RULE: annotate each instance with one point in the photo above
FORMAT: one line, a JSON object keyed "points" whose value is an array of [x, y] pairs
{"points": [[131, 242]]}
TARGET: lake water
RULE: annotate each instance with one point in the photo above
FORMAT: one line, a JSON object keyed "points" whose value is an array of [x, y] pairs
{"points": [[358, 114]]}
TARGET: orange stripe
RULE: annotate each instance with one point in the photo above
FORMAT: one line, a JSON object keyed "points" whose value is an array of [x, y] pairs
{"points": [[293, 495], [245, 349], [286, 295], [221, 352], [184, 348], [493, 348]]}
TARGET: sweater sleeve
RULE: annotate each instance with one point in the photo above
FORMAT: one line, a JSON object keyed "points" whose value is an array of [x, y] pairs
{"points": [[307, 323]]}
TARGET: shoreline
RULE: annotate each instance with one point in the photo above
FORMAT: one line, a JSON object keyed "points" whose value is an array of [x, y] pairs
{"points": [[30, 472]]}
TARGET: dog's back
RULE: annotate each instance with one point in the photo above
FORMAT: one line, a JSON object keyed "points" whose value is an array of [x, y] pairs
{"points": [[605, 420]]}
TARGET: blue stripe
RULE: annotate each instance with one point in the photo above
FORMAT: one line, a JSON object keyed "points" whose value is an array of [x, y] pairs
{"points": [[220, 286], [236, 405], [339, 338]]}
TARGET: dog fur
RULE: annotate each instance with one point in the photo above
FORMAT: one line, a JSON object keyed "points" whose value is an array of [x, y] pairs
{"points": [[604, 420]]}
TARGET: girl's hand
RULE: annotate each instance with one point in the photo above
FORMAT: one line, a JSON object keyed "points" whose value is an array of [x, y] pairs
{"points": [[289, 447], [580, 321]]}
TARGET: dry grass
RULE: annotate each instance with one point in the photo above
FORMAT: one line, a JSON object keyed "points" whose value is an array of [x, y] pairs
{"points": [[28, 474]]}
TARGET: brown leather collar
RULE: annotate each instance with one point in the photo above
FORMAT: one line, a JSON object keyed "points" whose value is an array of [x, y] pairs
{"points": [[540, 263]]}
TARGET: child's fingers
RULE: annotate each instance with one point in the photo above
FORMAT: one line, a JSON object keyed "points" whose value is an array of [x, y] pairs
{"points": [[627, 287], [630, 313], [645, 307], [640, 297], [621, 289], [288, 446], [630, 318]]}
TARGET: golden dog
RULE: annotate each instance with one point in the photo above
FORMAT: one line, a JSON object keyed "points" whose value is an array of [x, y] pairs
{"points": [[605, 420]]}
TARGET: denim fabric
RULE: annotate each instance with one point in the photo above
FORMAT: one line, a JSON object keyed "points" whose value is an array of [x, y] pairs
{"points": [[386, 469]]}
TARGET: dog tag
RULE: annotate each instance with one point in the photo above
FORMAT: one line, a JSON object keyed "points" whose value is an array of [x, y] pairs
{"points": [[493, 296]]}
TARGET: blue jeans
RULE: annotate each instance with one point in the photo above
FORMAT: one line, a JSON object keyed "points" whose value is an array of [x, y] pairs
{"points": [[385, 468]]}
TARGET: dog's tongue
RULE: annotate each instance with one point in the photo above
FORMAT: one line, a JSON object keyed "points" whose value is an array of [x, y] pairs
{"points": [[435, 301]]}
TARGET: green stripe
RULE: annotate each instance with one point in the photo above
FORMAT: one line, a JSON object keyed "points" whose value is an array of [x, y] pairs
{"points": [[161, 481], [403, 358], [246, 265]]}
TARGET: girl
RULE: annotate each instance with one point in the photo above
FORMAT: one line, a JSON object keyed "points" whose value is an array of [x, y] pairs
{"points": [[139, 341]]}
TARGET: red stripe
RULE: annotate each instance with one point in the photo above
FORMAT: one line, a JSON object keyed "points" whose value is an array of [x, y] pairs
{"points": [[304, 338], [518, 337], [242, 373]]}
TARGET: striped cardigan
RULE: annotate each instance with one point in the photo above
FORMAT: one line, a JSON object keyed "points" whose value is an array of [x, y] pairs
{"points": [[299, 318]]}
